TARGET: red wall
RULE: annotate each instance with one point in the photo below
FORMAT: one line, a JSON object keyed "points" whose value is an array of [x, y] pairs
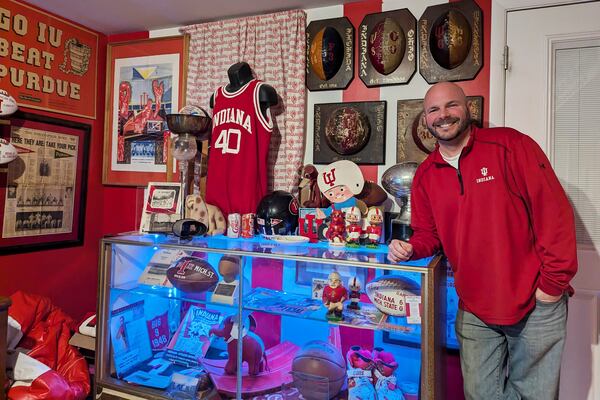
{"points": [[69, 276]]}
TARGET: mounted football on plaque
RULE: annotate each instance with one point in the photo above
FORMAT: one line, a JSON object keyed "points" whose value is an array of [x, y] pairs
{"points": [[414, 140], [329, 54], [451, 42], [387, 52], [350, 131]]}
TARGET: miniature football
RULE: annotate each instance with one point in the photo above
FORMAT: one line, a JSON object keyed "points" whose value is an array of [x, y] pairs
{"points": [[8, 105], [386, 46], [316, 361], [192, 274], [7, 152], [388, 293], [326, 53]]}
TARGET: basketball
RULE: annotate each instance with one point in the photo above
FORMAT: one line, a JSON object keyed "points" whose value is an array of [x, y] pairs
{"points": [[386, 46], [326, 53], [450, 39], [319, 370]]}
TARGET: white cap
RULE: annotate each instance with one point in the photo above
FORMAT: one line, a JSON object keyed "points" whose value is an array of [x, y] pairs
{"points": [[342, 172]]}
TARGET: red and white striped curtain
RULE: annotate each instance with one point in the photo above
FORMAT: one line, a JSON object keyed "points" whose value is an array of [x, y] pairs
{"points": [[274, 46]]}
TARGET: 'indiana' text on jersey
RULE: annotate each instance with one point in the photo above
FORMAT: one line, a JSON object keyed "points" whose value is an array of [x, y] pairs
{"points": [[234, 115]]}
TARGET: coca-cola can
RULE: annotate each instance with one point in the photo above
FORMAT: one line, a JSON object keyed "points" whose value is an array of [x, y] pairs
{"points": [[234, 222], [248, 225]]}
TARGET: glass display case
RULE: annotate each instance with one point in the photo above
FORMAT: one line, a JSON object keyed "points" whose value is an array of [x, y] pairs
{"points": [[307, 320]]}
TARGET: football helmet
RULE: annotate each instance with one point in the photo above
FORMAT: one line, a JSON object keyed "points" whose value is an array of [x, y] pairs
{"points": [[277, 214]]}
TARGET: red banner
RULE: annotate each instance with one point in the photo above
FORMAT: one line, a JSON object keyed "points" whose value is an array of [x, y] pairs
{"points": [[46, 62]]}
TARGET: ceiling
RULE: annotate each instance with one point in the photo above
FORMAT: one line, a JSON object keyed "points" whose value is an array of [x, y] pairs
{"points": [[122, 16]]}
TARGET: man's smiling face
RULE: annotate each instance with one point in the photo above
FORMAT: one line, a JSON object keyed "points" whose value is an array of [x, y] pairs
{"points": [[446, 113]]}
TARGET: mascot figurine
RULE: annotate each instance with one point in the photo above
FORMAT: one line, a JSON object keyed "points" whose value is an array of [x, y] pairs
{"points": [[340, 181], [336, 229], [253, 348], [334, 295]]}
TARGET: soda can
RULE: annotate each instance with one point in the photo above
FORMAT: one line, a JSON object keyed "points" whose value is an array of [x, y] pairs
{"points": [[234, 222], [248, 225]]}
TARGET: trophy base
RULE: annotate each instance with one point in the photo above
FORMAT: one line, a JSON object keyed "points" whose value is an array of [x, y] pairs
{"points": [[399, 231]]}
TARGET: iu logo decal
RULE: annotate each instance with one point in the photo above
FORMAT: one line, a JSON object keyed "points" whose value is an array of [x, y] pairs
{"points": [[486, 176], [329, 177]]}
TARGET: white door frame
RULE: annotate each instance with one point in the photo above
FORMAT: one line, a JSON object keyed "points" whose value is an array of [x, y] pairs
{"points": [[500, 8]]}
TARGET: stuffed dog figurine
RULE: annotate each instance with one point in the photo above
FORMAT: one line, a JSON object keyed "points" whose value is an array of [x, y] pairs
{"points": [[196, 208]]}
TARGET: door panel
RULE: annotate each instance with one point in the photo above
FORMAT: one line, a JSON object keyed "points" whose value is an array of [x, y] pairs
{"points": [[532, 38]]}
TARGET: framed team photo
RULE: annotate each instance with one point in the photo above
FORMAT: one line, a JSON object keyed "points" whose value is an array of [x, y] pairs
{"points": [[145, 81]]}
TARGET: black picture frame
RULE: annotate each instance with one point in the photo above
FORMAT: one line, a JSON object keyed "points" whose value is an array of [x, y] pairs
{"points": [[371, 113], [49, 213]]}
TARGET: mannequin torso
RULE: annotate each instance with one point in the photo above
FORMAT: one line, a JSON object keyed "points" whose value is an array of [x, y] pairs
{"points": [[240, 74]]}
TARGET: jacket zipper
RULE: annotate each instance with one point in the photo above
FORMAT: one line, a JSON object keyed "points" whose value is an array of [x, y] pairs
{"points": [[460, 179]]}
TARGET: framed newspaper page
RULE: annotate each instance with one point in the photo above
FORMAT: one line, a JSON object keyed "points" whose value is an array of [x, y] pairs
{"points": [[43, 191]]}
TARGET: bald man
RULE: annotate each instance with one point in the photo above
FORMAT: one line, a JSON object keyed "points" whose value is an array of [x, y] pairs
{"points": [[490, 199]]}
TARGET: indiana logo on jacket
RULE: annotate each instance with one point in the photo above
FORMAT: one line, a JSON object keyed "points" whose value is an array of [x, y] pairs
{"points": [[486, 177]]}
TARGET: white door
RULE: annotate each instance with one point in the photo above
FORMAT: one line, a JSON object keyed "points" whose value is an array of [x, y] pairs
{"points": [[553, 95]]}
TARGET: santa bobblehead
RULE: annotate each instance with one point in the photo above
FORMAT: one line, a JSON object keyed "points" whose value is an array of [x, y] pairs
{"points": [[242, 127]]}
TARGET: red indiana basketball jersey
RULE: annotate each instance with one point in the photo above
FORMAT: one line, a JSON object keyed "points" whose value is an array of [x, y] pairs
{"points": [[237, 161]]}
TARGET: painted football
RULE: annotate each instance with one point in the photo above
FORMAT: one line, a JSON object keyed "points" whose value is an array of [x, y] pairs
{"points": [[192, 275], [388, 293], [347, 131], [450, 39], [386, 46], [326, 53], [8, 105], [7, 152]]}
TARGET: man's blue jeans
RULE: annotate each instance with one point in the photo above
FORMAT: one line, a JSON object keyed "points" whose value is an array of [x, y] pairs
{"points": [[520, 361]]}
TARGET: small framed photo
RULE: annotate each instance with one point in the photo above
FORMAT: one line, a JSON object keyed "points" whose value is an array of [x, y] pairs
{"points": [[350, 131], [162, 207]]}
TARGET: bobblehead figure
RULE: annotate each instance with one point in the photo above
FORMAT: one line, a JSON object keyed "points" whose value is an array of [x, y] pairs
{"points": [[334, 295]]}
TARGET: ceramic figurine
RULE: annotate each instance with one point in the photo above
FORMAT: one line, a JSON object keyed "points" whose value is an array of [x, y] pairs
{"points": [[375, 220], [354, 285], [334, 295], [336, 229], [353, 227]]}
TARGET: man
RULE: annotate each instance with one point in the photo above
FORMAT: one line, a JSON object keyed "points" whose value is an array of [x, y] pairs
{"points": [[490, 199]]}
